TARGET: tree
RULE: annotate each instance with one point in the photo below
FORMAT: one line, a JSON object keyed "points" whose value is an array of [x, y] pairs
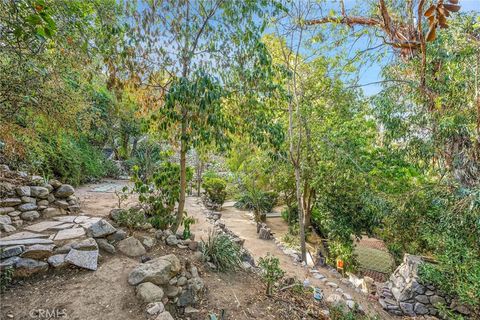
{"points": [[191, 41]]}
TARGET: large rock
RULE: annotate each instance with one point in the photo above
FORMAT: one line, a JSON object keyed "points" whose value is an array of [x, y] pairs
{"points": [[10, 202], [101, 229], [149, 292], [131, 247], [83, 259], [23, 191], [39, 192], [85, 245], [27, 267], [27, 207], [30, 215], [11, 251], [38, 251], [64, 191], [158, 271]]}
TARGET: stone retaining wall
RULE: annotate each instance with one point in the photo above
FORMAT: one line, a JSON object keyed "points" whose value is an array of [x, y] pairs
{"points": [[406, 294], [25, 197]]}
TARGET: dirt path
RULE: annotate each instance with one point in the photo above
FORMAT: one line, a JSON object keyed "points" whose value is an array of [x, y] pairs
{"points": [[240, 222]]}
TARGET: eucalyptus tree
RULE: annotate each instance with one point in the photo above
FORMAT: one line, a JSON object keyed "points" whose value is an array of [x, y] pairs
{"points": [[196, 45]]}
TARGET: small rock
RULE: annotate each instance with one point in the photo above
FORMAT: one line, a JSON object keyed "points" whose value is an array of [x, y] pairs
{"points": [[117, 235], [182, 281], [5, 220], [159, 234], [14, 213], [38, 251], [26, 199], [52, 212], [190, 310], [149, 292], [10, 202], [164, 316], [100, 229], [420, 309], [172, 240], [64, 191], [54, 183], [148, 242], [27, 207], [83, 259], [30, 215], [335, 300], [186, 298], [172, 291], [155, 308], [194, 272], [39, 192], [61, 204], [57, 261], [105, 246], [42, 203], [85, 245], [9, 263], [23, 191], [11, 251], [131, 247], [6, 210]]}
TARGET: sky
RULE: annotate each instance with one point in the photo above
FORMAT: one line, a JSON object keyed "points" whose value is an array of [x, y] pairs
{"points": [[372, 73]]}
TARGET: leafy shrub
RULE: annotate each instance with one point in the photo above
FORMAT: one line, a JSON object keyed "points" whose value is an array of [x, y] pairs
{"points": [[159, 193], [271, 271], [6, 276], [221, 251], [343, 251], [290, 215], [131, 218], [260, 202], [215, 189], [187, 222]]}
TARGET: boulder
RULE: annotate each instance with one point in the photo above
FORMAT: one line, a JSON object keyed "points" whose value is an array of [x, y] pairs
{"points": [[23, 191], [105, 246], [83, 258], [149, 292], [159, 271], [64, 191], [11, 251], [131, 247], [27, 207], [26, 267], [38, 251], [10, 202], [57, 261], [30, 215], [101, 229], [39, 192]]}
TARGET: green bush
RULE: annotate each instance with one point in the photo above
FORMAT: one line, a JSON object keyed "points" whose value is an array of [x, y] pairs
{"points": [[215, 189], [260, 202], [290, 215], [221, 251], [131, 218], [271, 271]]}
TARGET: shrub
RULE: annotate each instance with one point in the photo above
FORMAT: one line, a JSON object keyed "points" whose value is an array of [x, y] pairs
{"points": [[290, 215], [159, 193], [131, 218], [221, 251], [187, 222], [271, 271], [215, 189], [260, 202]]}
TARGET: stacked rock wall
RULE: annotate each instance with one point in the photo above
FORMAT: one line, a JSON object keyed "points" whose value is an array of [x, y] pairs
{"points": [[406, 294], [26, 198]]}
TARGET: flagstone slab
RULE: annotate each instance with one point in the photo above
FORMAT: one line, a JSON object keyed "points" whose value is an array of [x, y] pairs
{"points": [[24, 235], [44, 225], [6, 243], [81, 219], [66, 218], [69, 234], [63, 226]]}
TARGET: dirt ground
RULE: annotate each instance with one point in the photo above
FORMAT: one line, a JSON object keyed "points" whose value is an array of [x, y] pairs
{"points": [[105, 293]]}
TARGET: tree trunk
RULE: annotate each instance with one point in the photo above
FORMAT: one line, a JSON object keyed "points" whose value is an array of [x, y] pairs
{"points": [[301, 217], [183, 178]]}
